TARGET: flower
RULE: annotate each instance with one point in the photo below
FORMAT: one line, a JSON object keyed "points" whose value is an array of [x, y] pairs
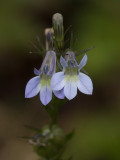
{"points": [[71, 78], [41, 82]]}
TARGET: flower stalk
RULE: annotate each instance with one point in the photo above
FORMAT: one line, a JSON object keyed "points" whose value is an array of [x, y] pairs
{"points": [[60, 83]]}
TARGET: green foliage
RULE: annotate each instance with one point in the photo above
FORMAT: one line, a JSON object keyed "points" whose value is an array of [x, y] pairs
{"points": [[49, 142]]}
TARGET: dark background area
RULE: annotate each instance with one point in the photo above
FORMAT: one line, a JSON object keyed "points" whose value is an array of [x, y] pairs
{"points": [[96, 118]]}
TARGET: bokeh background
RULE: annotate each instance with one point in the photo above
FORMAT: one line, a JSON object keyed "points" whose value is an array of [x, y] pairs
{"points": [[96, 118]]}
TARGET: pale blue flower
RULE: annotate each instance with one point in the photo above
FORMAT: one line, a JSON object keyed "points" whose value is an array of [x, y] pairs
{"points": [[41, 82], [71, 77]]}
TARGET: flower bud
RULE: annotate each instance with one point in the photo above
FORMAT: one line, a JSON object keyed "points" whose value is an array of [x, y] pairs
{"points": [[51, 142], [58, 29], [49, 38]]}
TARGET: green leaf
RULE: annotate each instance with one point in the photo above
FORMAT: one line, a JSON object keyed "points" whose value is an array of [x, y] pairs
{"points": [[70, 135], [32, 128]]}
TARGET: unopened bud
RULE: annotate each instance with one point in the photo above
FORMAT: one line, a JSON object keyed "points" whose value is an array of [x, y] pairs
{"points": [[49, 38], [58, 29]]}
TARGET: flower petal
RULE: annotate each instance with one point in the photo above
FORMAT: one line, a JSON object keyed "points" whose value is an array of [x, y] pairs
{"points": [[36, 72], [57, 81], [32, 87], [70, 89], [63, 62], [44, 61], [59, 94], [45, 95], [52, 63], [83, 62], [85, 84]]}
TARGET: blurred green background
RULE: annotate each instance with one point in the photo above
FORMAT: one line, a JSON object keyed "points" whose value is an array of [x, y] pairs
{"points": [[96, 118]]}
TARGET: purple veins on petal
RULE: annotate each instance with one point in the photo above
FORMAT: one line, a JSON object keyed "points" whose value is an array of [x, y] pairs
{"points": [[32, 87], [59, 94], [45, 95], [85, 84]]}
